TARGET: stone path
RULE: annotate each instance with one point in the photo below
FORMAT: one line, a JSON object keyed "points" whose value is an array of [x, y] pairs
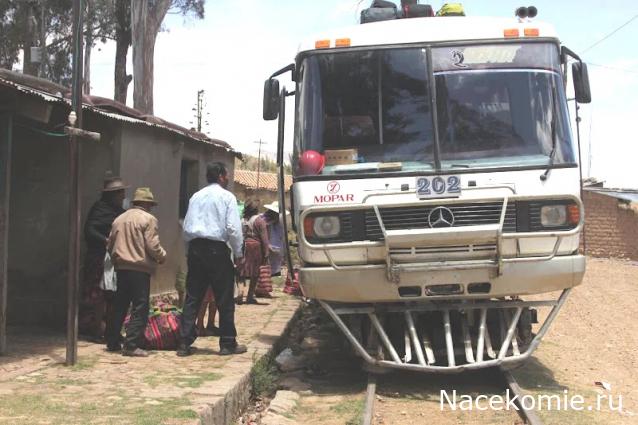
{"points": [[105, 388]]}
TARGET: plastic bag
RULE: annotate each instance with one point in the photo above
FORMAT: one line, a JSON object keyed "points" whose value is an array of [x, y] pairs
{"points": [[108, 282]]}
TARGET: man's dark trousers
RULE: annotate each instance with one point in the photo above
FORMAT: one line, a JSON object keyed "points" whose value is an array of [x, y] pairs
{"points": [[209, 264], [133, 287]]}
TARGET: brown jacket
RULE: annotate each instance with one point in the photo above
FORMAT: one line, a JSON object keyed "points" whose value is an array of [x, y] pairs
{"points": [[134, 242]]}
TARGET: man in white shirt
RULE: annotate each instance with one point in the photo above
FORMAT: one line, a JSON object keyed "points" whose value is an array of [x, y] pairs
{"points": [[211, 224]]}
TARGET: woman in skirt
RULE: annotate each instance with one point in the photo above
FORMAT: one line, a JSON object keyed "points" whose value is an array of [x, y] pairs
{"points": [[255, 247]]}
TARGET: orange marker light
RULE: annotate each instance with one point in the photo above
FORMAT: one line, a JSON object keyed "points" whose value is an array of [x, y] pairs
{"points": [[531, 32], [342, 42], [512, 32], [322, 44], [573, 214], [308, 227]]}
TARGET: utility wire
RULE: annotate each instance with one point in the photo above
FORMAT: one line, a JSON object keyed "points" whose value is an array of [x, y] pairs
{"points": [[609, 35], [631, 71]]}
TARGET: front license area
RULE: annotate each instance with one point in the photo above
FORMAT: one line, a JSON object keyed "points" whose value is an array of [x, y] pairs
{"points": [[438, 187]]}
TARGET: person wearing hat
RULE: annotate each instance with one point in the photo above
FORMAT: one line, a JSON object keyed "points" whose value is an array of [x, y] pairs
{"points": [[275, 237], [95, 305], [136, 250]]}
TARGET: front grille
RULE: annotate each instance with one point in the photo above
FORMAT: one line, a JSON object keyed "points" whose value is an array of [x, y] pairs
{"points": [[454, 249], [362, 225], [416, 217]]}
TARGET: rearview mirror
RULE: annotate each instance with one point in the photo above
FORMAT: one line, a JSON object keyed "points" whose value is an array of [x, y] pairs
{"points": [[581, 82], [271, 99]]}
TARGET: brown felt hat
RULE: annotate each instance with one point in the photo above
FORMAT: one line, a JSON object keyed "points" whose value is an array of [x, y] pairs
{"points": [[144, 194], [113, 184]]}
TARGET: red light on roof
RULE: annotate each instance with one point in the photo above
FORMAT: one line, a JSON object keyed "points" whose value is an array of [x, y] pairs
{"points": [[531, 32], [512, 32]]}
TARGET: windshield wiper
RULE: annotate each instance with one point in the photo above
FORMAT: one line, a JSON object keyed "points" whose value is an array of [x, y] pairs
{"points": [[552, 153]]}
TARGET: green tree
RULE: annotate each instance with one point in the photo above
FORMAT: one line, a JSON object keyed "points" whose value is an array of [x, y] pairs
{"points": [[47, 24], [146, 22]]}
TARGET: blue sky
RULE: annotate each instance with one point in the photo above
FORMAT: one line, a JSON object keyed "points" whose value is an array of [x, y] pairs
{"points": [[238, 44]]}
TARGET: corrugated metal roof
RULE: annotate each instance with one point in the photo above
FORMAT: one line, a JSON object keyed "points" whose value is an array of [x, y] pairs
{"points": [[267, 181], [40, 88], [630, 195]]}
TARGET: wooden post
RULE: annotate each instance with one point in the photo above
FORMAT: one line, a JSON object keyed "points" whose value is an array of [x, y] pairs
{"points": [[73, 287], [6, 121]]}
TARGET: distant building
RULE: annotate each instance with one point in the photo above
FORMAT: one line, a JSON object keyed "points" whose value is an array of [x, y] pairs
{"points": [[247, 186], [611, 222], [34, 175]]}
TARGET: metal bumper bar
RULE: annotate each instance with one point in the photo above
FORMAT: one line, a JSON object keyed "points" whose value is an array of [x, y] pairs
{"points": [[505, 355]]}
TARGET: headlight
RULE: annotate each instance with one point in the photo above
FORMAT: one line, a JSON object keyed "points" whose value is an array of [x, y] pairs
{"points": [[554, 215], [324, 227]]}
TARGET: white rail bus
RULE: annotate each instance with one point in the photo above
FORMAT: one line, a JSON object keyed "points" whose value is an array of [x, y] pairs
{"points": [[436, 186]]}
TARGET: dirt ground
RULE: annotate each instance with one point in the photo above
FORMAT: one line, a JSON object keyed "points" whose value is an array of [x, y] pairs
{"points": [[107, 388], [594, 339]]}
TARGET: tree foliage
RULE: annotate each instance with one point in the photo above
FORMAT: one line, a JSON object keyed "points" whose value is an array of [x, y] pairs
{"points": [[37, 23], [146, 21], [32, 23], [9, 34]]}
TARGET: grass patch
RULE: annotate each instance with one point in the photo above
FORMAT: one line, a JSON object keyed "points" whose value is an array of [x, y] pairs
{"points": [[169, 409], [264, 376], [30, 409], [352, 409], [152, 380], [197, 381], [84, 363], [194, 381], [65, 382]]}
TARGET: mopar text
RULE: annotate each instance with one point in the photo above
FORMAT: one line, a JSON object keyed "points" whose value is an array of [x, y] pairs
{"points": [[322, 199]]}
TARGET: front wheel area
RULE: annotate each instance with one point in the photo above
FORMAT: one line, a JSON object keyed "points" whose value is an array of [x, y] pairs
{"points": [[445, 337]]}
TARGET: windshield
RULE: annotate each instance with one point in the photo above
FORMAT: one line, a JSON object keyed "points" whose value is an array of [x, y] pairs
{"points": [[372, 111]]}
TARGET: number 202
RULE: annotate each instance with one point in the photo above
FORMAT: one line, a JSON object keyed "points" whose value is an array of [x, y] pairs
{"points": [[439, 185]]}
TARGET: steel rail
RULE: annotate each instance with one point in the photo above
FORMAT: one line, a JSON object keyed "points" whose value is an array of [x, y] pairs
{"points": [[528, 415], [368, 411]]}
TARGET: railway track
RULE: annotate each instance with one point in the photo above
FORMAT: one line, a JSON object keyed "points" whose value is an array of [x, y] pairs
{"points": [[505, 377]]}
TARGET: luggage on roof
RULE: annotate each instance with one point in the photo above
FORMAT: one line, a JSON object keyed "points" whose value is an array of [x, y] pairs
{"points": [[418, 11], [451, 9], [380, 11], [383, 4]]}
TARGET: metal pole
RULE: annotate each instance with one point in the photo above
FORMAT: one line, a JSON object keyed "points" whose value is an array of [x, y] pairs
{"points": [[259, 162], [200, 106], [74, 192], [580, 169]]}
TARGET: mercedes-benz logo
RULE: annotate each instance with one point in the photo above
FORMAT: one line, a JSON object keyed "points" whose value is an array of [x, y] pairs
{"points": [[441, 217]]}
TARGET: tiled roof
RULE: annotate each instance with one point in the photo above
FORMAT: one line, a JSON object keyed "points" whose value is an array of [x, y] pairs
{"points": [[267, 181]]}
